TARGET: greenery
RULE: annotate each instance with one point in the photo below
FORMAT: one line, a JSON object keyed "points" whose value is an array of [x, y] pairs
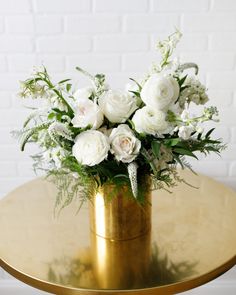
{"points": [[52, 129]]}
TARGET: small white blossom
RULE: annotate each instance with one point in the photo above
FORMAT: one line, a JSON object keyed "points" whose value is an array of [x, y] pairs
{"points": [[83, 93], [185, 132]]}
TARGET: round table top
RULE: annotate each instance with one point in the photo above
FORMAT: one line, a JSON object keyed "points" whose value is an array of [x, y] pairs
{"points": [[193, 239]]}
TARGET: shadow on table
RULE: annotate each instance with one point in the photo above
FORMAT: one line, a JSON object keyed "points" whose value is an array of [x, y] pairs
{"points": [[79, 272]]}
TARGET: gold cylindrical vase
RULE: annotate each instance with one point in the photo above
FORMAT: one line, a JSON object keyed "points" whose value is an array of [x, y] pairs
{"points": [[120, 236], [116, 215]]}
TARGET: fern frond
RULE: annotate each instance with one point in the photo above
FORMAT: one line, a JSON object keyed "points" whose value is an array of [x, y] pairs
{"points": [[56, 130], [26, 134]]}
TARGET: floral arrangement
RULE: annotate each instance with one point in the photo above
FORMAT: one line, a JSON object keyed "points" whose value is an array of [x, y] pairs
{"points": [[98, 135]]}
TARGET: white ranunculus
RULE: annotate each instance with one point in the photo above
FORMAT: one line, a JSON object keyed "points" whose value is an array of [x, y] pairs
{"points": [[87, 113], [124, 145], [150, 121], [160, 91], [83, 93], [185, 132], [91, 147], [117, 106]]}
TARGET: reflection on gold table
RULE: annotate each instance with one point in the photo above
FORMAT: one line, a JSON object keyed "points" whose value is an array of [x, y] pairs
{"points": [[193, 240]]}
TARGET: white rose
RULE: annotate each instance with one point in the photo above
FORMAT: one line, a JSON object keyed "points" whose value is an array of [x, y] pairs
{"points": [[185, 132], [151, 121], [124, 145], [83, 93], [160, 91], [91, 147], [87, 113], [117, 106]]}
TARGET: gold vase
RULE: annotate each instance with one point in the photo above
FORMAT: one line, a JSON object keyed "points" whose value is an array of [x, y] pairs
{"points": [[120, 236]]}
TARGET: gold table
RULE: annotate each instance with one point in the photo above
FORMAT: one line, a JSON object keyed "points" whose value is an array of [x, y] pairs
{"points": [[193, 240]]}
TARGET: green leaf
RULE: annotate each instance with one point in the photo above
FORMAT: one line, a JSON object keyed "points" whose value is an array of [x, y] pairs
{"points": [[51, 116], [135, 93], [181, 81], [139, 86], [184, 152], [172, 141], [156, 148], [63, 81], [68, 87], [209, 133]]}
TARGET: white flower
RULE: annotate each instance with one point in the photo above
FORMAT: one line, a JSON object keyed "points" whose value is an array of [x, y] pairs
{"points": [[83, 93], [91, 147], [185, 132], [151, 121], [160, 91], [117, 106], [87, 113], [185, 116], [56, 155], [124, 145]]}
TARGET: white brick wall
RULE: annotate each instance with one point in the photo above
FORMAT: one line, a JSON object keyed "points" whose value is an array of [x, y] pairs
{"points": [[117, 38]]}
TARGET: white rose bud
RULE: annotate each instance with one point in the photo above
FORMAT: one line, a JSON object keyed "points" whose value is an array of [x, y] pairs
{"points": [[150, 121], [185, 132], [91, 147], [87, 113], [117, 106], [160, 91], [124, 145], [83, 93]]}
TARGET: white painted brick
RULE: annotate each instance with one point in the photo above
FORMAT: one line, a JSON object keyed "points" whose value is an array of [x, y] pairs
{"points": [[21, 62], [209, 22], [222, 98], [7, 168], [15, 44], [180, 5], [223, 41], [189, 42], [230, 152], [5, 100], [63, 44], [1, 24], [120, 6], [63, 6], [55, 63], [214, 168], [6, 137], [139, 61], [151, 23], [234, 134], [215, 79], [26, 63], [228, 116], [20, 24], [94, 62], [25, 169], [211, 60], [92, 24], [13, 152], [9, 82], [12, 6], [12, 117], [233, 168], [226, 5], [47, 25], [121, 43], [119, 80], [3, 64]]}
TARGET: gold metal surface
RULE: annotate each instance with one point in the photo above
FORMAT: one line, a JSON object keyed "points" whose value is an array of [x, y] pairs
{"points": [[122, 217], [193, 240]]}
